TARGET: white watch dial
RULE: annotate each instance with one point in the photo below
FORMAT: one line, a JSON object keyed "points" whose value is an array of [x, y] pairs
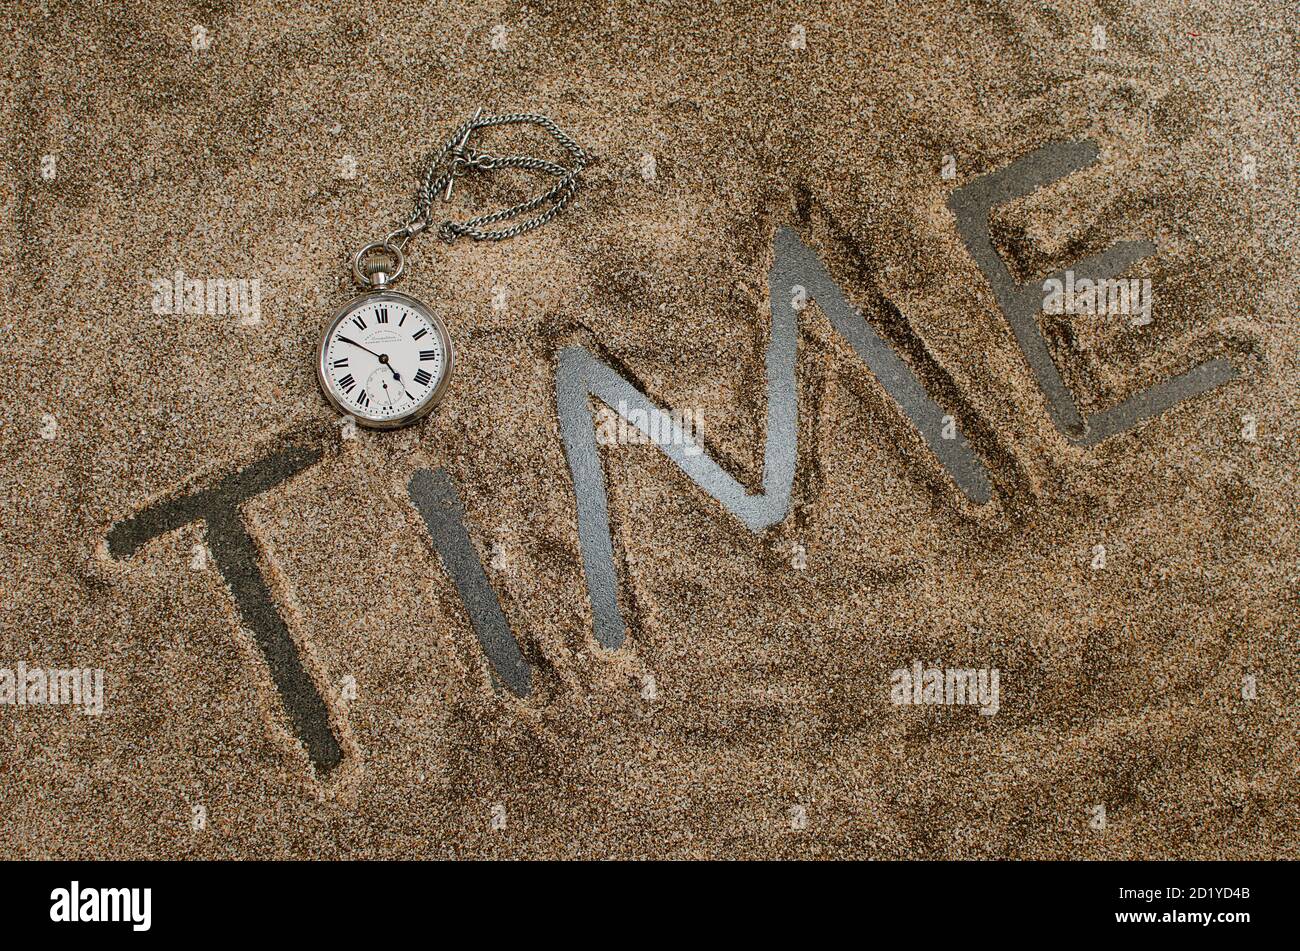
{"points": [[384, 359]]}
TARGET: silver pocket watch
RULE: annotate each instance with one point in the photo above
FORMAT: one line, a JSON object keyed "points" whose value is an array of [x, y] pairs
{"points": [[386, 358]]}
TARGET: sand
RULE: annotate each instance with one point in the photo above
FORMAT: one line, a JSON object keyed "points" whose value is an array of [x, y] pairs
{"points": [[748, 713]]}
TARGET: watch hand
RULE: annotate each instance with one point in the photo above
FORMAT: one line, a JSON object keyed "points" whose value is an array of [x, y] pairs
{"points": [[382, 357], [408, 395]]}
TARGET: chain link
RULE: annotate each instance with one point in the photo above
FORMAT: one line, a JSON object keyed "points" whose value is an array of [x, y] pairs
{"points": [[455, 157]]}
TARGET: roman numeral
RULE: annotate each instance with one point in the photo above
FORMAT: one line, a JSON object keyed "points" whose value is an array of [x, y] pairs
{"points": [[422, 377], [347, 383], [419, 333], [341, 362], [428, 354], [403, 320], [361, 324], [382, 314], [363, 399]]}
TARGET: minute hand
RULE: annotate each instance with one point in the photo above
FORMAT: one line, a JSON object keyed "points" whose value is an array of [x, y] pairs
{"points": [[383, 357], [355, 344]]}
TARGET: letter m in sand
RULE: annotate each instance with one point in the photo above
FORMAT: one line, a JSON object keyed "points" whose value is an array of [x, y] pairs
{"points": [[581, 375]]}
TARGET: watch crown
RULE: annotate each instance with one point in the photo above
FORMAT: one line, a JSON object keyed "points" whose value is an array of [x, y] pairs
{"points": [[370, 265]]}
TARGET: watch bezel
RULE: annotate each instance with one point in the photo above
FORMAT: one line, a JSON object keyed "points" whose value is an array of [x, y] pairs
{"points": [[425, 408]]}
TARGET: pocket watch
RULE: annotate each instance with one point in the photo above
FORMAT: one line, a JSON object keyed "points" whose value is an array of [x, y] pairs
{"points": [[386, 358]]}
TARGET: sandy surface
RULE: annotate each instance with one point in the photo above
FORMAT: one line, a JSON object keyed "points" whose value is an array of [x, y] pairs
{"points": [[769, 731]]}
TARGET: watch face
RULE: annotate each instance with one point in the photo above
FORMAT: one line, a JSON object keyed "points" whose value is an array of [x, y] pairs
{"points": [[385, 360]]}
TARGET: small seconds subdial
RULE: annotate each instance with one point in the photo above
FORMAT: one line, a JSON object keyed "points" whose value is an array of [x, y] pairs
{"points": [[385, 359]]}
